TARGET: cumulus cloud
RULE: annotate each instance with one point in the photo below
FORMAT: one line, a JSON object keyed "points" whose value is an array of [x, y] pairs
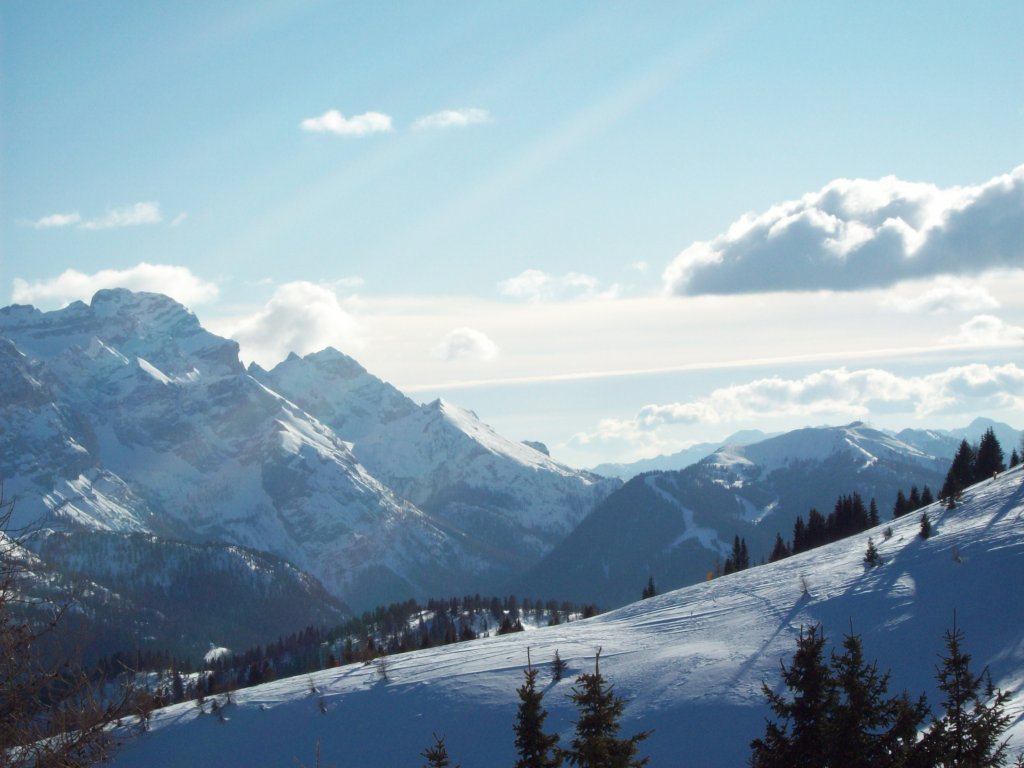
{"points": [[128, 216], [466, 344], [453, 118], [534, 285], [947, 295], [56, 220], [835, 393], [987, 331], [300, 317], [860, 233], [177, 282], [332, 121]]}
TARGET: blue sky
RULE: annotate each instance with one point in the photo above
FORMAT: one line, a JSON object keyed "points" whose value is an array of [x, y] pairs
{"points": [[617, 228]]}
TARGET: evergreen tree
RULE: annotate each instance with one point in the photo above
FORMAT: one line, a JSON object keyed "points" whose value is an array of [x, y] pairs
{"points": [[535, 748], [649, 590], [800, 738], [960, 474], [558, 666], [968, 733], [914, 499], [869, 729], [926, 526], [873, 518], [779, 550], [1014, 458], [899, 509], [437, 755], [926, 496], [871, 557], [596, 743], [989, 457]]}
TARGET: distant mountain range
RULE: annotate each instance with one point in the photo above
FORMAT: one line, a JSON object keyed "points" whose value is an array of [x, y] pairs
{"points": [[678, 526]]}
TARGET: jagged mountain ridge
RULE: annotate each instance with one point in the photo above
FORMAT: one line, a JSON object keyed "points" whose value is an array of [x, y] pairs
{"points": [[508, 500], [128, 416], [678, 526]]}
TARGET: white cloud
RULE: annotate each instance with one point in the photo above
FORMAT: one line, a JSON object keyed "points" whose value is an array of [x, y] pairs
{"points": [[987, 331], [836, 393], [55, 220], [534, 285], [860, 233], [177, 282], [947, 295], [453, 118], [129, 216], [466, 344], [179, 219], [334, 122], [300, 317]]}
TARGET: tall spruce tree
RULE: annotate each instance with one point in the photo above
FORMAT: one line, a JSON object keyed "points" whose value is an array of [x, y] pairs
{"points": [[868, 728], [535, 748], [968, 734], [960, 474], [989, 458], [596, 743], [799, 738]]}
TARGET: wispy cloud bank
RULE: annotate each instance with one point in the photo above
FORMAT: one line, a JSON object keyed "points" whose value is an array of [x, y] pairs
{"points": [[453, 118], [177, 282], [300, 317], [534, 285], [988, 331], [856, 234], [466, 344], [128, 216], [837, 393], [947, 295], [332, 121]]}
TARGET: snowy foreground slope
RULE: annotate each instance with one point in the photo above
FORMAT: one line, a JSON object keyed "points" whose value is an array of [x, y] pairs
{"points": [[690, 662]]}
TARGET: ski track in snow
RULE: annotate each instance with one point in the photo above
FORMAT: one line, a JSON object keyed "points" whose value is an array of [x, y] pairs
{"points": [[689, 662]]}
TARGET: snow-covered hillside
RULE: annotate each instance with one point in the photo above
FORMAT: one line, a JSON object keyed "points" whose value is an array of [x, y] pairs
{"points": [[690, 662]]}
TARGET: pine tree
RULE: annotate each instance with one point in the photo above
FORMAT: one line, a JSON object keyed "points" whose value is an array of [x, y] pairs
{"points": [[535, 748], [649, 590], [869, 729], [779, 550], [1014, 458], [437, 755], [596, 743], [800, 738], [927, 497], [871, 557], [899, 509], [968, 733], [873, 518], [558, 666], [960, 474], [926, 526], [989, 457]]}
